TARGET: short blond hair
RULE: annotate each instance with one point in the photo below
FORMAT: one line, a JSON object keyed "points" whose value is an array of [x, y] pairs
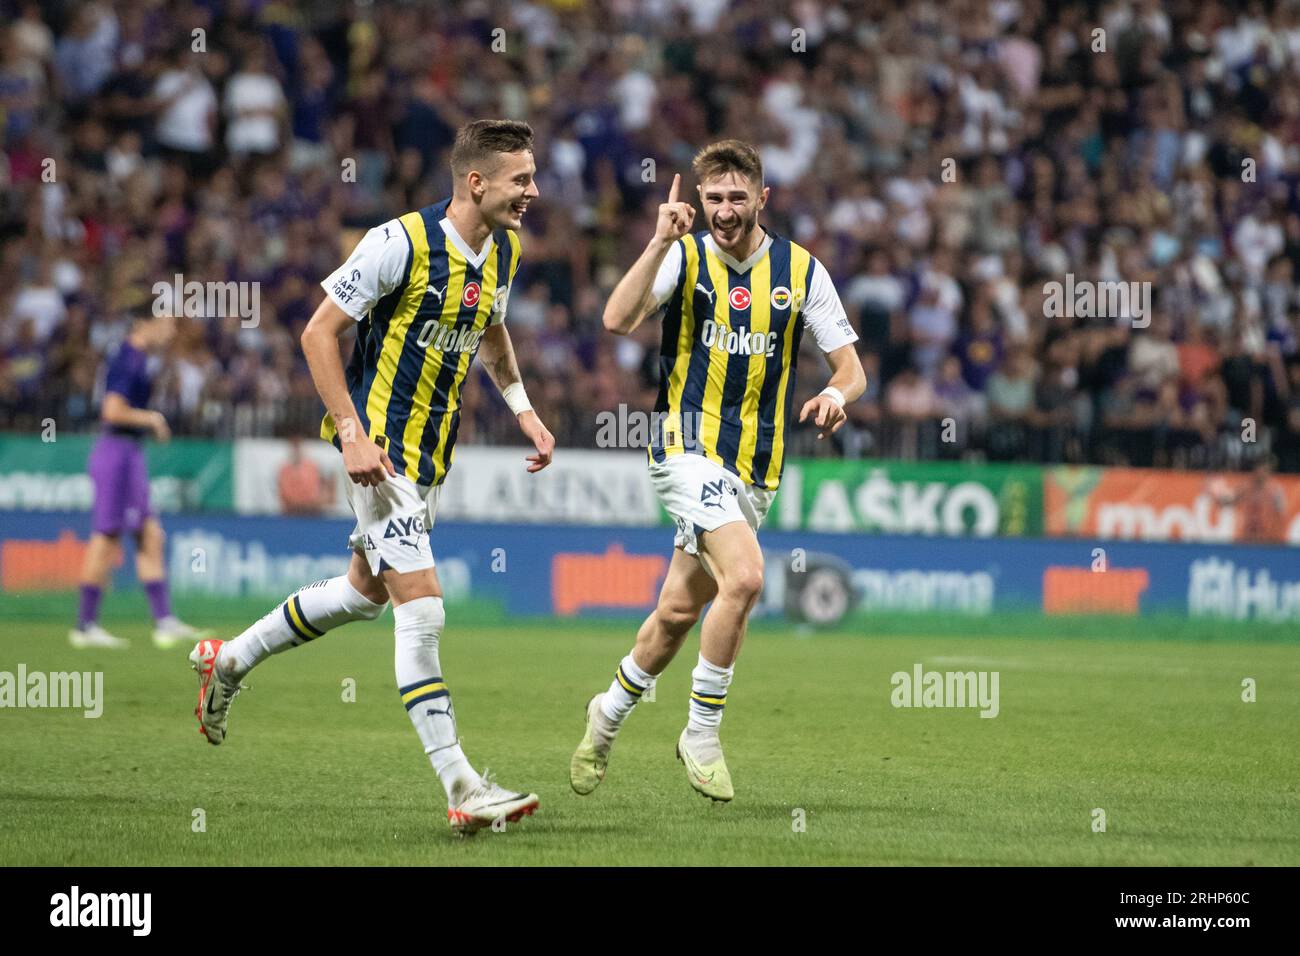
{"points": [[728, 156]]}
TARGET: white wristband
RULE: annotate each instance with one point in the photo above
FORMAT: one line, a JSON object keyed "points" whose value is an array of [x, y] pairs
{"points": [[836, 395], [516, 398]]}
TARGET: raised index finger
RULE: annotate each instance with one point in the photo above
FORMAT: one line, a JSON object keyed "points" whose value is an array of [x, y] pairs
{"points": [[672, 190]]}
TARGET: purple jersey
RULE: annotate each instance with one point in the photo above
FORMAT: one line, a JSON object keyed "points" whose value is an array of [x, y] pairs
{"points": [[117, 463], [128, 375]]}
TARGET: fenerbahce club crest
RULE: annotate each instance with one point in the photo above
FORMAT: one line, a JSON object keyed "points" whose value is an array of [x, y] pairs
{"points": [[780, 297]]}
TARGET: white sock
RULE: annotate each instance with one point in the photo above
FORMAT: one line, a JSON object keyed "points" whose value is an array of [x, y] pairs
{"points": [[708, 696], [425, 695], [630, 682], [303, 616]]}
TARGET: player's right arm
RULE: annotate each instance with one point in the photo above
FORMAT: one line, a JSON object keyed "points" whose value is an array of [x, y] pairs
{"points": [[374, 269], [636, 296], [118, 411], [366, 462]]}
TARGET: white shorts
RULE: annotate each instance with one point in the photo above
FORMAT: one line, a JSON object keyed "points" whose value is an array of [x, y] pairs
{"points": [[393, 524], [701, 495]]}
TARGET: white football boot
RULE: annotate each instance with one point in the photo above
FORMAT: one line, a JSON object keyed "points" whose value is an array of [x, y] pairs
{"points": [[486, 804], [215, 695], [96, 636], [706, 769], [588, 763]]}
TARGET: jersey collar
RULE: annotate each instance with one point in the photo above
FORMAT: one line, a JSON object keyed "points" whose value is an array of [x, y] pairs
{"points": [[730, 260], [475, 259]]}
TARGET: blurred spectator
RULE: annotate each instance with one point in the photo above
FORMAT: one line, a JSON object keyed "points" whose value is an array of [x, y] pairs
{"points": [[956, 399], [1010, 389], [302, 488], [911, 398], [187, 111], [84, 56], [1259, 505], [254, 107], [944, 164]]}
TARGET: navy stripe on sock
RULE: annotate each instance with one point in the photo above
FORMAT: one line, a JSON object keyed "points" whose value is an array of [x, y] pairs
{"points": [[429, 696], [419, 683], [297, 606], [292, 626]]}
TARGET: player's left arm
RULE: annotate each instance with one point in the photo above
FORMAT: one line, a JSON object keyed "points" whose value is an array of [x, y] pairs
{"points": [[825, 317], [498, 357], [848, 380]]}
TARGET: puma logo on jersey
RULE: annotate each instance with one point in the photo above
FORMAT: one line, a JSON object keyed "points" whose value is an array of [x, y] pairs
{"points": [[437, 293], [710, 293], [712, 491], [737, 342]]}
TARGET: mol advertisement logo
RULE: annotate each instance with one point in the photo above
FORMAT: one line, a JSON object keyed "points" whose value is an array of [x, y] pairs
{"points": [[1141, 504]]}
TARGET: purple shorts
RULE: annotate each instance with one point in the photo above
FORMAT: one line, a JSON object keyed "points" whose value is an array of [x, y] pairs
{"points": [[121, 478]]}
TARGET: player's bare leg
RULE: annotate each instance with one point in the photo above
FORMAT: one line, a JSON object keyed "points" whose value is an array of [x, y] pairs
{"points": [[736, 560], [370, 586], [102, 552], [168, 630], [473, 801], [687, 588]]}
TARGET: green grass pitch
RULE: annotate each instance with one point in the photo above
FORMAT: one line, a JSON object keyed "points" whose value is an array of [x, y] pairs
{"points": [[1152, 731]]}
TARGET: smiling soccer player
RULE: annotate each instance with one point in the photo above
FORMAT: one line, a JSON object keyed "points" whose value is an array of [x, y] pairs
{"points": [[735, 301], [426, 292]]}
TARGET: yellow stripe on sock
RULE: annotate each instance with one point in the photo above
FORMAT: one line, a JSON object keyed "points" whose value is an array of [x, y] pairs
{"points": [[298, 619], [410, 695], [626, 686], [720, 701]]}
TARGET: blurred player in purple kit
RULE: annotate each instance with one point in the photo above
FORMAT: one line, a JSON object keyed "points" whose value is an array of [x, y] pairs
{"points": [[121, 479]]}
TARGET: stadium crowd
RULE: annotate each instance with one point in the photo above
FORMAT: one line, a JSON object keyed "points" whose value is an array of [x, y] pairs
{"points": [[945, 161]]}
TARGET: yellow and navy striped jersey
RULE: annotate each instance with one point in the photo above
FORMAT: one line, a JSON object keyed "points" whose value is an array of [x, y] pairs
{"points": [[423, 300], [730, 345]]}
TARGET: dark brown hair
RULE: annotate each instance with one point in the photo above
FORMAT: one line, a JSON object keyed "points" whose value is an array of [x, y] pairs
{"points": [[728, 156], [477, 144]]}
